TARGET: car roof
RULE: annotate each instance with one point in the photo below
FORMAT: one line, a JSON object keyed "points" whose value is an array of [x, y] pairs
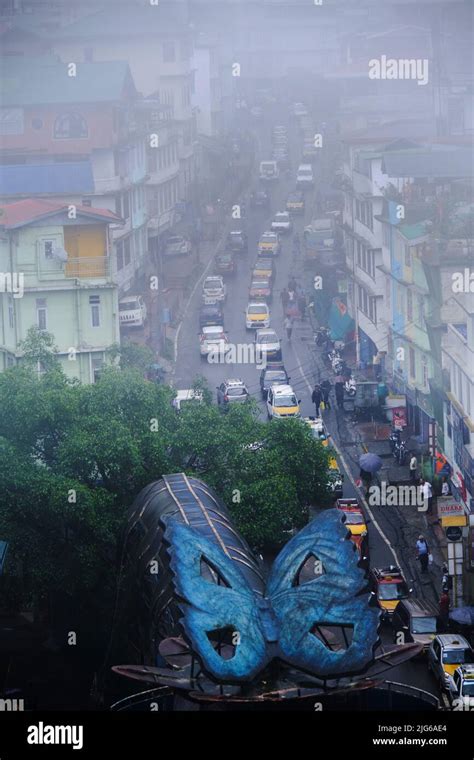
{"points": [[211, 307], [453, 641], [467, 670], [129, 299], [212, 328], [188, 393], [282, 213], [305, 166], [257, 303], [266, 331], [233, 381], [261, 281], [282, 390], [420, 608], [236, 232]]}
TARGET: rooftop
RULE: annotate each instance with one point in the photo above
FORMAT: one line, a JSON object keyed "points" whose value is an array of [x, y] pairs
{"points": [[28, 211]]}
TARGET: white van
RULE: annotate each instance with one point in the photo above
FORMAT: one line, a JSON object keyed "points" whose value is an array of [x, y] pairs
{"points": [[304, 176], [269, 170], [186, 396], [132, 311]]}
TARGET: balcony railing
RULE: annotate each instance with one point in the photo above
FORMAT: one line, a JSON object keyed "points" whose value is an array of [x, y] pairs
{"points": [[83, 267]]}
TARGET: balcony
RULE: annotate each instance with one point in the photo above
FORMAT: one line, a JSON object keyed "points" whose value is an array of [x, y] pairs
{"points": [[84, 267]]}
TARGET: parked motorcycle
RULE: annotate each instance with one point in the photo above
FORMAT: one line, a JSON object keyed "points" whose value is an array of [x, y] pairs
{"points": [[350, 387], [321, 336]]}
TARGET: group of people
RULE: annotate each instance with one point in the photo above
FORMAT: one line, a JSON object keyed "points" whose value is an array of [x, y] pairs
{"points": [[321, 394], [293, 301]]}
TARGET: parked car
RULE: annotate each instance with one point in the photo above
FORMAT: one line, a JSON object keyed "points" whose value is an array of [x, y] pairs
{"points": [[214, 290], [282, 402], [224, 263], [268, 171], [463, 685], [269, 243], [446, 653], [237, 241], [232, 391], [211, 315], [336, 479], [176, 245], [295, 203], [132, 311], [268, 344], [257, 315], [417, 619], [186, 397], [282, 222], [389, 587], [272, 375], [213, 340], [260, 290]]}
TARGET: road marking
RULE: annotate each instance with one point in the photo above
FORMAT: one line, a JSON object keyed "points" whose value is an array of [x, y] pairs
{"points": [[349, 473], [178, 330]]}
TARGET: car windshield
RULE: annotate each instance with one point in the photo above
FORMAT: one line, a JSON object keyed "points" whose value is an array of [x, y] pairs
{"points": [[129, 306], [268, 238], [224, 257], [174, 240], [423, 625], [263, 264], [236, 391], [289, 400], [258, 309], [389, 592], [468, 689], [268, 338], [259, 284], [305, 172], [281, 217], [274, 377], [457, 656], [213, 332], [212, 284], [354, 518]]}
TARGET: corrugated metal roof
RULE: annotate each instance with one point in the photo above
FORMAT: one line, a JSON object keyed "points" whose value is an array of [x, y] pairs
{"points": [[21, 213], [24, 85], [457, 162], [46, 179], [413, 231]]}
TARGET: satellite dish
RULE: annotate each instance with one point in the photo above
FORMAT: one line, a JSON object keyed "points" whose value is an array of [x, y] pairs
{"points": [[59, 253]]}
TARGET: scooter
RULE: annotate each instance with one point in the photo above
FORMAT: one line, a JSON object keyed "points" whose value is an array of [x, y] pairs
{"points": [[350, 387], [321, 336], [394, 440]]}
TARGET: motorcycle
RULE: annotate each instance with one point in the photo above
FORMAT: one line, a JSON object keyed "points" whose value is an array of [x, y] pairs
{"points": [[339, 345], [321, 336], [350, 387], [394, 440]]}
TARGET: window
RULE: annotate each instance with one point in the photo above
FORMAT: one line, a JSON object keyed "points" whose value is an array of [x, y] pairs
{"points": [[94, 302], [126, 205], [48, 246], [97, 362], [169, 52], [70, 126], [407, 256], [41, 313], [126, 251], [412, 360], [424, 370]]}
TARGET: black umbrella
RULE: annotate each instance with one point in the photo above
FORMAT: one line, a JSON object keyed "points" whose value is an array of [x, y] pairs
{"points": [[370, 462]]}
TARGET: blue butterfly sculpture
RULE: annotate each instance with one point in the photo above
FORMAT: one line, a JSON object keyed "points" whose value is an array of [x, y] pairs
{"points": [[281, 623]]}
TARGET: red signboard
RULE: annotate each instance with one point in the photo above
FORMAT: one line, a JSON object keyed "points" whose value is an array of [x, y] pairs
{"points": [[399, 417]]}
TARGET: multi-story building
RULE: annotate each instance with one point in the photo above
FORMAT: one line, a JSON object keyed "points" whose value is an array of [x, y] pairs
{"points": [[75, 134], [56, 274]]}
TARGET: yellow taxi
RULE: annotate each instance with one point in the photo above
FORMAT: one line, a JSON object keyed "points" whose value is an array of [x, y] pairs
{"points": [[446, 654], [389, 587], [282, 402], [357, 526], [269, 244], [263, 269]]}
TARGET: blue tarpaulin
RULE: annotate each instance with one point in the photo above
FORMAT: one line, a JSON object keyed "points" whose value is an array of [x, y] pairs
{"points": [[340, 321]]}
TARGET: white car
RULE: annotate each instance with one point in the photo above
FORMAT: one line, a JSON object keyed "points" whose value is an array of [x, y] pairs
{"points": [[213, 340], [304, 176], [132, 311], [282, 222], [269, 244], [185, 397], [176, 245], [257, 315], [267, 344], [214, 290], [299, 109]]}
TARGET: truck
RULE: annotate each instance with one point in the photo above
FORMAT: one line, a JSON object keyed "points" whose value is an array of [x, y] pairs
{"points": [[320, 241]]}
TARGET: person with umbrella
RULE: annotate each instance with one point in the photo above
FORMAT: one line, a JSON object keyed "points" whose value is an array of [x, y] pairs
{"points": [[444, 610], [369, 465]]}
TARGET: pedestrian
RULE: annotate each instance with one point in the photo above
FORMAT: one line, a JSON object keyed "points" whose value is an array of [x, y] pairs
{"points": [[413, 467], [288, 326], [445, 490], [326, 390], [444, 610], [316, 397], [427, 492], [302, 306], [284, 298], [292, 285], [422, 553], [366, 478], [447, 581], [339, 390]]}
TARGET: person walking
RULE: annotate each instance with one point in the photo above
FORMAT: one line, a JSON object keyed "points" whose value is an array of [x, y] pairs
{"points": [[427, 492], [444, 610], [288, 323], [292, 286], [284, 298], [445, 490], [413, 468], [422, 553], [326, 390], [339, 390], [316, 397]]}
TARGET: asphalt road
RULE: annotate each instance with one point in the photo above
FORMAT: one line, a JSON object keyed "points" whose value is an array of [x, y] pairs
{"points": [[388, 534]]}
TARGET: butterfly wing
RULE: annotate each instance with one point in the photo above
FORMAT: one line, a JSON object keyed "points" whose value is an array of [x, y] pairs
{"points": [[332, 600], [227, 607]]}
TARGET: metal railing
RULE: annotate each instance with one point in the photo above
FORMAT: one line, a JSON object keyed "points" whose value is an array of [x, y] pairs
{"points": [[81, 267]]}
